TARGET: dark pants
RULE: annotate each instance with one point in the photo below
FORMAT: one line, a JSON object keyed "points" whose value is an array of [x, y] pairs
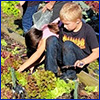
{"points": [[27, 18], [66, 53]]}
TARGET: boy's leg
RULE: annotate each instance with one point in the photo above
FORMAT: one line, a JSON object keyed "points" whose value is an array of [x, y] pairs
{"points": [[52, 49], [71, 53], [27, 18]]}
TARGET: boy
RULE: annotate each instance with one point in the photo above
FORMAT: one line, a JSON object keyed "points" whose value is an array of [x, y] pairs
{"points": [[79, 46]]}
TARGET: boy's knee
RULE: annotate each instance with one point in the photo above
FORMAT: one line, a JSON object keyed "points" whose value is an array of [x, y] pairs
{"points": [[68, 44]]}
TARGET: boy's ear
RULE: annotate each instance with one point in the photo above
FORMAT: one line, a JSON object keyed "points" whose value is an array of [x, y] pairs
{"points": [[78, 21]]}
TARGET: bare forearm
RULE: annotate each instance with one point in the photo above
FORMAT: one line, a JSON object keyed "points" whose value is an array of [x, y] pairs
{"points": [[48, 6], [91, 58], [42, 59], [34, 57], [52, 2], [29, 62], [39, 61]]}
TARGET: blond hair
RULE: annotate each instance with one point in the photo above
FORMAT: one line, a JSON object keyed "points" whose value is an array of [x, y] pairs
{"points": [[71, 12]]}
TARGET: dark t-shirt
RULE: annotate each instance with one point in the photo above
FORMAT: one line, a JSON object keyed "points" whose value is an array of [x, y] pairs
{"points": [[85, 38], [56, 9], [32, 3]]}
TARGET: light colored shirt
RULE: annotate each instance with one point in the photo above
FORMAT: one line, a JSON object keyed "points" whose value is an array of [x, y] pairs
{"points": [[46, 32]]}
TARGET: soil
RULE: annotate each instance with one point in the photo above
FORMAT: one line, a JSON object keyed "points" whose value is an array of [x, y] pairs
{"points": [[19, 55], [11, 44]]}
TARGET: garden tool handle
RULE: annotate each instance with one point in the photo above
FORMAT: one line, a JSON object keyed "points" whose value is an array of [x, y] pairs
{"points": [[14, 80], [68, 66]]}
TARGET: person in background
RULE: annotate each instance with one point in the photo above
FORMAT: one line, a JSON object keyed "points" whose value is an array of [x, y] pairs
{"points": [[27, 21], [79, 45], [55, 6]]}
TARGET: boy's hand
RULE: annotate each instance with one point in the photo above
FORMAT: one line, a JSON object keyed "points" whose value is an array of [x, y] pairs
{"points": [[79, 63]]}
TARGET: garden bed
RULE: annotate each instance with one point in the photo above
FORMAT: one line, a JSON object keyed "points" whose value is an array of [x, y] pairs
{"points": [[14, 58]]}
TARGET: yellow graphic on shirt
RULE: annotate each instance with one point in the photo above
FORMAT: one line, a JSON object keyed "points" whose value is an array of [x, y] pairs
{"points": [[79, 42]]}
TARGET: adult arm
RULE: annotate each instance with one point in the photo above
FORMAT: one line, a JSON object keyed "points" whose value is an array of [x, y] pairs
{"points": [[34, 57], [48, 6]]}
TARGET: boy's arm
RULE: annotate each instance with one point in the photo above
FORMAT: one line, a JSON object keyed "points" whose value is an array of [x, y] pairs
{"points": [[34, 57], [93, 56], [48, 6]]}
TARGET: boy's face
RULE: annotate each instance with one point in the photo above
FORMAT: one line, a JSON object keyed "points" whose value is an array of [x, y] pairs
{"points": [[70, 25]]}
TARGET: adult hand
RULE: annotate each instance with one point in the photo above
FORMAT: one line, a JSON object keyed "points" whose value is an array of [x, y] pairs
{"points": [[44, 9], [79, 63], [48, 6]]}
